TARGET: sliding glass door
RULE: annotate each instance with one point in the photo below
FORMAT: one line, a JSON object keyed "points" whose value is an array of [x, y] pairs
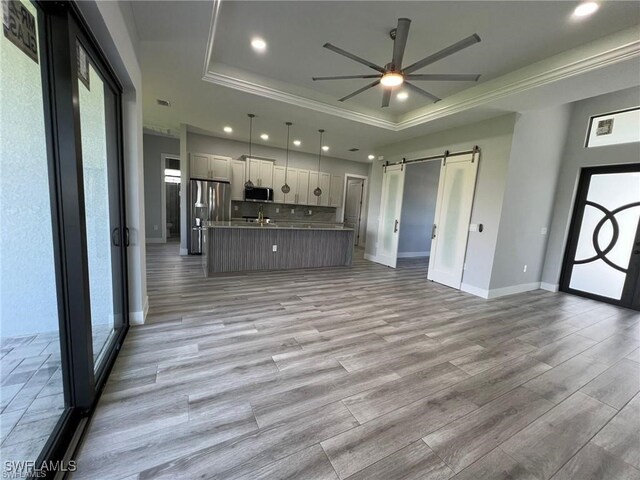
{"points": [[31, 391], [104, 235], [63, 236]]}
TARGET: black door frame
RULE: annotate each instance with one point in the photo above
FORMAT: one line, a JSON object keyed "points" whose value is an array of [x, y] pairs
{"points": [[59, 24], [630, 297]]}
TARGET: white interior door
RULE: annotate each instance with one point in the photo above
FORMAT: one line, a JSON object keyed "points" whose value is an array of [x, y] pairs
{"points": [[456, 190], [390, 211], [353, 205]]}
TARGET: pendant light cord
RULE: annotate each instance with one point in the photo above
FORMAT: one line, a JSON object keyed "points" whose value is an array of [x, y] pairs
{"points": [[319, 155], [286, 168]]}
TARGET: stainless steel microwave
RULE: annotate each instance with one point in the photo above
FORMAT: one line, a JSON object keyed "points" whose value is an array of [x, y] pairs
{"points": [[258, 194]]}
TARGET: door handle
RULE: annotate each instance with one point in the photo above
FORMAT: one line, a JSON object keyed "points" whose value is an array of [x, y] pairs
{"points": [[126, 237], [115, 237], [433, 231], [395, 227]]}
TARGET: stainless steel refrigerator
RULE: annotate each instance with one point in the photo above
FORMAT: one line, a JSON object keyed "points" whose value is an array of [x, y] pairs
{"points": [[209, 201]]}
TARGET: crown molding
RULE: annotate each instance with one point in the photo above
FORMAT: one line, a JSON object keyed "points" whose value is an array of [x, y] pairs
{"points": [[523, 80], [297, 100], [621, 46]]}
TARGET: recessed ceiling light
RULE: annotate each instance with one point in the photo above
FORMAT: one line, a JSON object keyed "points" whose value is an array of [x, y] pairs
{"points": [[259, 44], [228, 129], [586, 9], [264, 136], [402, 96], [325, 148], [297, 143], [371, 157]]}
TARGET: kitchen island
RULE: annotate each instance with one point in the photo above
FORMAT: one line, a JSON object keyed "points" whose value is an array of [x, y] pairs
{"points": [[242, 246]]}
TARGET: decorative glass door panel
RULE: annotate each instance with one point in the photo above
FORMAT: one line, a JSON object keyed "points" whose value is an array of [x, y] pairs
{"points": [[604, 246]]}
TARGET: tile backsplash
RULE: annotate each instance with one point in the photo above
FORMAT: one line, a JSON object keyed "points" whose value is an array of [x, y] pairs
{"points": [[300, 212]]}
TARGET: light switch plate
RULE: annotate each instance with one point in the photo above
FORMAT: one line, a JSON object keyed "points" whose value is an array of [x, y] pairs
{"points": [[473, 227], [543, 231], [277, 210], [235, 207]]}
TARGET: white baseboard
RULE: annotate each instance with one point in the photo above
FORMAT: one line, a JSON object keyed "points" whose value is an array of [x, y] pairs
{"points": [[499, 292], [512, 290], [478, 292], [138, 318], [413, 254], [155, 240], [551, 287], [184, 251]]}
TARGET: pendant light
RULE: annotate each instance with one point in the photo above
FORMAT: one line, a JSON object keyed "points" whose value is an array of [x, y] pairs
{"points": [[249, 184], [286, 188], [318, 191]]}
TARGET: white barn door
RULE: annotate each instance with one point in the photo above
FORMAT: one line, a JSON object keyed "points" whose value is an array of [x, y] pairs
{"points": [[456, 190], [390, 211]]}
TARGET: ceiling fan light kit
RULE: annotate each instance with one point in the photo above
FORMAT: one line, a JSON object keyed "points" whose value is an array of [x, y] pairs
{"points": [[393, 75]]}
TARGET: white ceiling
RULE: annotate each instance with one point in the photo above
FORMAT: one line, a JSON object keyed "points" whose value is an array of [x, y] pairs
{"points": [[174, 37]]}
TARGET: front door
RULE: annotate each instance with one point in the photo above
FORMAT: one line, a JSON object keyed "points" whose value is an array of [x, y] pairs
{"points": [[602, 260], [390, 211]]}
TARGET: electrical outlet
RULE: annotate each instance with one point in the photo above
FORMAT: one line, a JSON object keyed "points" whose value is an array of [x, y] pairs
{"points": [[155, 227], [309, 212], [274, 248], [235, 208], [293, 210], [524, 269], [277, 210], [543, 231]]}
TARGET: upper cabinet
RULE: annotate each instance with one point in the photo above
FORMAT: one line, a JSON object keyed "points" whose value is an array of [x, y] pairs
{"points": [[324, 182], [260, 172], [335, 192], [237, 179], [210, 167], [278, 181]]}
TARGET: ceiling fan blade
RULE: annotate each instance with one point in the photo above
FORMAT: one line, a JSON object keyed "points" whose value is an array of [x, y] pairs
{"points": [[386, 96], [400, 42], [444, 77], [357, 92], [422, 92], [344, 53], [344, 77], [445, 52]]}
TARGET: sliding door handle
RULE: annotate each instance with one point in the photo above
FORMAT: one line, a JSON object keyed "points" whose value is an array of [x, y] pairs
{"points": [[115, 237], [433, 231], [126, 237], [395, 227]]}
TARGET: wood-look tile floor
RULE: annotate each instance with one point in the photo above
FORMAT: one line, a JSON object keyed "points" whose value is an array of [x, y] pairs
{"points": [[365, 373]]}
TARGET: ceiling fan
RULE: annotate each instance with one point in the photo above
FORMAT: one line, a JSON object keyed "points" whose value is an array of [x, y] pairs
{"points": [[393, 75]]}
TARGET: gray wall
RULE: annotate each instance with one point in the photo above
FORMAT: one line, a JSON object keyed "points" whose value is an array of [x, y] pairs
{"points": [[154, 146], [536, 153], [575, 157], [494, 139], [418, 208]]}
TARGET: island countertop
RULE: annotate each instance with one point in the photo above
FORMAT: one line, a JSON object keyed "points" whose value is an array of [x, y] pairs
{"points": [[279, 225]]}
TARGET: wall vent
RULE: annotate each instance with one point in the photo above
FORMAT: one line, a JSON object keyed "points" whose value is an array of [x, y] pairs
{"points": [[163, 103], [354, 149]]}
